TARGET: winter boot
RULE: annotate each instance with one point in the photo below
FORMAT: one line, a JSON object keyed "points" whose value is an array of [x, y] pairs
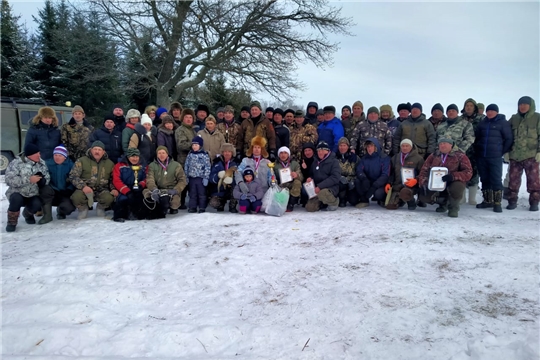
{"points": [[497, 199], [28, 217], [12, 219], [472, 194], [488, 200], [173, 211], [534, 206], [100, 210], [511, 206], [232, 206], [294, 200], [463, 198], [420, 204], [202, 211], [47, 214], [192, 211], [59, 214], [453, 208], [362, 205], [506, 193], [411, 204], [83, 212]]}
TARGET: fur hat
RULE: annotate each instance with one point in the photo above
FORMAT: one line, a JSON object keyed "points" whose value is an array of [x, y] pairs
{"points": [[210, 118], [77, 108], [323, 145], [258, 141], [228, 108], [388, 108], [330, 109], [149, 109], [358, 103], [198, 140], [133, 113], [437, 106], [284, 149], [168, 119], [227, 147], [132, 152], [344, 140], [164, 148], [255, 104], [187, 111], [30, 149], [45, 112], [160, 111], [404, 106], [203, 108], [175, 105], [61, 150]]}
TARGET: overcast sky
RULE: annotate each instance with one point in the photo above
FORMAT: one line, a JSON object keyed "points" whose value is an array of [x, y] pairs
{"points": [[425, 52]]}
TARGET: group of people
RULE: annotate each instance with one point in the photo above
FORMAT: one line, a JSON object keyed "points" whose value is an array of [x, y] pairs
{"points": [[144, 166]]}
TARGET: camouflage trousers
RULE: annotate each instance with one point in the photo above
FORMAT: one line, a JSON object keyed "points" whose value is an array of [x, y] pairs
{"points": [[533, 180], [325, 196], [103, 198], [295, 187]]}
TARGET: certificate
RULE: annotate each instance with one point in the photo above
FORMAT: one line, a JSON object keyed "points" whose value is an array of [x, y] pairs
{"points": [[310, 189], [285, 175], [406, 174], [436, 182]]}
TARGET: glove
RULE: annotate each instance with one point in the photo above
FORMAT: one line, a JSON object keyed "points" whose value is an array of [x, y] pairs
{"points": [[411, 182], [172, 192], [351, 185], [243, 187], [221, 174], [370, 192], [343, 180], [506, 158], [448, 178], [252, 198], [155, 195], [537, 157], [387, 188], [243, 197], [228, 180], [272, 156], [205, 182]]}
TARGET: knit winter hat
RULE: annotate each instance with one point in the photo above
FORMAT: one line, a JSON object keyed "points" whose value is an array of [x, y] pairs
{"points": [[344, 140], [220, 109], [164, 148], [288, 111], [404, 106], [245, 108], [446, 140], [145, 119], [133, 152], [406, 141], [160, 111], [198, 140], [358, 103], [210, 118], [298, 113], [284, 149], [108, 117], [203, 108], [480, 106], [319, 112], [493, 107], [228, 108], [167, 119], [255, 104], [373, 109], [227, 147], [248, 171], [30, 149], [346, 107], [77, 108], [269, 109], [437, 106], [417, 106], [133, 113], [61, 150], [278, 111], [323, 145], [388, 108], [99, 144], [329, 109], [452, 107], [525, 100]]}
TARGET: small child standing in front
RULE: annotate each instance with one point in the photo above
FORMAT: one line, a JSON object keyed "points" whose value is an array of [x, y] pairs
{"points": [[197, 169], [249, 193]]}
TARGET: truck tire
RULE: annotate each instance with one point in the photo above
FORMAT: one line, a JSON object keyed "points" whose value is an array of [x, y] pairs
{"points": [[5, 158]]}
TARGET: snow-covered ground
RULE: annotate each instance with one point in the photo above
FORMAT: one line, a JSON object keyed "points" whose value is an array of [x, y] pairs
{"points": [[351, 284]]}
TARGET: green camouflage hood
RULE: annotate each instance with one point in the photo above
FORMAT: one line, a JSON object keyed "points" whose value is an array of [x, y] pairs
{"points": [[475, 106]]}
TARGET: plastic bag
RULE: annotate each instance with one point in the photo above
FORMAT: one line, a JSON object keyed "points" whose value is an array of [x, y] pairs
{"points": [[275, 201]]}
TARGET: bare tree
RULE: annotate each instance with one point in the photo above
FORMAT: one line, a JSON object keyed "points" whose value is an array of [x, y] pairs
{"points": [[257, 44]]}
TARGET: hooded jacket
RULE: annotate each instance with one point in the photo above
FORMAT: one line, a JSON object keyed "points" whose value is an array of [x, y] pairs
{"points": [[374, 167], [420, 131], [331, 131], [89, 172], [165, 137], [18, 175], [493, 137], [526, 129], [111, 139], [45, 137], [311, 118]]}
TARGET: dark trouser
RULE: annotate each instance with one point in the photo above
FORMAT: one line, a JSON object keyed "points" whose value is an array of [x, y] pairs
{"points": [[246, 205], [197, 193], [60, 199], [533, 180], [490, 170], [454, 191], [124, 206], [475, 179], [363, 192], [183, 195], [17, 201], [347, 195]]}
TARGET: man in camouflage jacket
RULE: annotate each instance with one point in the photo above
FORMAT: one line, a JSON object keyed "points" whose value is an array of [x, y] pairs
{"points": [[75, 134], [373, 127], [300, 135], [232, 131], [457, 129]]}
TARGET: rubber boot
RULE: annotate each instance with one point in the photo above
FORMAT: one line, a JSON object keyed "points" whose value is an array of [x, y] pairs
{"points": [[497, 199], [83, 212], [100, 210], [488, 200], [472, 194], [47, 214], [453, 208], [411, 205], [12, 219], [511, 206], [533, 206], [28, 217], [232, 206], [463, 198], [59, 214]]}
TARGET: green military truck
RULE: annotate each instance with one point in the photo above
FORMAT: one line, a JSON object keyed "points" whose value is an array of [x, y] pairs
{"points": [[16, 118]]}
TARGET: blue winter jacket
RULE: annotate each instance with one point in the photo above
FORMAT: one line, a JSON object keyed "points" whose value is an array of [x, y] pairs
{"points": [[124, 177], [45, 137], [219, 165], [112, 141], [197, 164], [493, 138], [374, 167], [59, 174], [331, 131]]}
